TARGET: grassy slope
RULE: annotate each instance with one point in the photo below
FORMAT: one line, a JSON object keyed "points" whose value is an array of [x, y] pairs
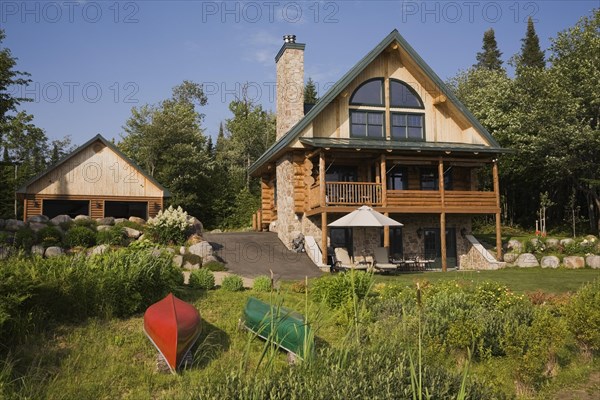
{"points": [[517, 279], [113, 359]]}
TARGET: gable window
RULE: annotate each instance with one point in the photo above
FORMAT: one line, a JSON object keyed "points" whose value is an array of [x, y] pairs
{"points": [[369, 93], [366, 124], [367, 111], [407, 126], [403, 96]]}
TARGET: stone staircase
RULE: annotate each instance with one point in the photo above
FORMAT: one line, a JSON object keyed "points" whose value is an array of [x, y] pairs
{"points": [[478, 258]]}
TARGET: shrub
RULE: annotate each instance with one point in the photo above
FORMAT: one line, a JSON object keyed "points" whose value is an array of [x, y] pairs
{"points": [[583, 314], [115, 236], [80, 236], [232, 283], [215, 266], [337, 290], [169, 226], [5, 238], [202, 279], [24, 239], [88, 223], [49, 236], [262, 284], [143, 244], [132, 225], [298, 287]]}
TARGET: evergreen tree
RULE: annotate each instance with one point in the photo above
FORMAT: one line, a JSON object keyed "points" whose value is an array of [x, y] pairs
{"points": [[531, 53], [489, 57], [310, 92]]}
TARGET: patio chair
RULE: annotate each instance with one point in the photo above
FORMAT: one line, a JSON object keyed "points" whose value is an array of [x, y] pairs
{"points": [[382, 261], [343, 261]]}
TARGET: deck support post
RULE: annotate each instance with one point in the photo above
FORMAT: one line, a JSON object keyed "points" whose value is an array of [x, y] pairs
{"points": [[259, 220], [324, 237], [498, 220], [254, 222], [322, 192], [383, 180], [443, 214]]}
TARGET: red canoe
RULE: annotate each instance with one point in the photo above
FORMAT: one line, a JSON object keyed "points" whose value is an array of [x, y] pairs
{"points": [[173, 326]]}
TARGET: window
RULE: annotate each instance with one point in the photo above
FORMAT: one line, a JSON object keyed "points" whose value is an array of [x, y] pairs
{"points": [[404, 96], [369, 93], [366, 124], [407, 126], [429, 179], [341, 237], [397, 179]]}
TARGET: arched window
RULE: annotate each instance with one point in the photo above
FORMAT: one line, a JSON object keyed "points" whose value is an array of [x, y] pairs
{"points": [[369, 93], [404, 96]]}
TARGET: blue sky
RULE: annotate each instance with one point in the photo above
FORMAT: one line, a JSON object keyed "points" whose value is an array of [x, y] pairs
{"points": [[92, 61]]}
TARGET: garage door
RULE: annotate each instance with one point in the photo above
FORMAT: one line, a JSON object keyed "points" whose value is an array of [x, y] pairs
{"points": [[72, 208], [126, 209]]}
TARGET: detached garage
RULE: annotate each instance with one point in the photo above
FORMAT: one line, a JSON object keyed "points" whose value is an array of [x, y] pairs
{"points": [[96, 180]]}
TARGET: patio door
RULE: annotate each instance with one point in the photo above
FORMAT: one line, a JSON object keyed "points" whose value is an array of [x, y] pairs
{"points": [[341, 237], [433, 248]]}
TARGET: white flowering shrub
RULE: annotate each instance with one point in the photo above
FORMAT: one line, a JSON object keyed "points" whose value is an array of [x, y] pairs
{"points": [[169, 226]]}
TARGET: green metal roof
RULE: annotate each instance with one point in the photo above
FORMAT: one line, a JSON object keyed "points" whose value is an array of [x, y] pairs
{"points": [[383, 144], [110, 145], [341, 84]]}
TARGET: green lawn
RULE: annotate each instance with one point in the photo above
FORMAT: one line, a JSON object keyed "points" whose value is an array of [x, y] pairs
{"points": [[517, 279]]}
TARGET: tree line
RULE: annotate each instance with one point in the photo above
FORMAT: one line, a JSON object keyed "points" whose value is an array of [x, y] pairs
{"points": [[547, 114]]}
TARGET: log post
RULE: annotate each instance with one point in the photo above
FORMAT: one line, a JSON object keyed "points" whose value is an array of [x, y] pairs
{"points": [[322, 188], [383, 173], [324, 237], [442, 214], [498, 220]]}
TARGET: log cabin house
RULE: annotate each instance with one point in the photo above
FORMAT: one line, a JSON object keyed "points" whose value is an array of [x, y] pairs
{"points": [[96, 179], [389, 134]]}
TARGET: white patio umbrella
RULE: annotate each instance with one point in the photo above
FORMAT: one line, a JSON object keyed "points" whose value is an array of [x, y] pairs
{"points": [[365, 217]]}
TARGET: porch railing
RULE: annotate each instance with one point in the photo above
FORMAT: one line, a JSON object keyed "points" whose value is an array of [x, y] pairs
{"points": [[353, 193]]}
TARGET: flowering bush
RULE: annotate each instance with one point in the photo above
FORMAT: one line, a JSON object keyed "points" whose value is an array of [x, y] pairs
{"points": [[169, 226]]}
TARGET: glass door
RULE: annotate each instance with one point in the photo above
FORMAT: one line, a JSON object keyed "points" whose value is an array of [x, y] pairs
{"points": [[432, 248]]}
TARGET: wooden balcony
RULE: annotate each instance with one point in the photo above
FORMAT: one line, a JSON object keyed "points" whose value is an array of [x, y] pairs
{"points": [[339, 196]]}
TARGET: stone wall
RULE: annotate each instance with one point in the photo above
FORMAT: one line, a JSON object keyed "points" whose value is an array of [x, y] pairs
{"points": [[288, 222]]}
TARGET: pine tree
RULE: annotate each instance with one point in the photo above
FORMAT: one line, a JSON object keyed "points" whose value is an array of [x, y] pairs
{"points": [[489, 57], [310, 92], [531, 53]]}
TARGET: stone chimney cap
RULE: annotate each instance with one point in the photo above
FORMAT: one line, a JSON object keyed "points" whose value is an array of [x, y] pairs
{"points": [[289, 38]]}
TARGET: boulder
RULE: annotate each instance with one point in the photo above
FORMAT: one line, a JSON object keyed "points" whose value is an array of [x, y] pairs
{"points": [[100, 228], [5, 252], [83, 218], [142, 237], [535, 241], [550, 262], [100, 249], [216, 231], [191, 267], [61, 219], [593, 262], [182, 250], [591, 238], [132, 233], [202, 249], [566, 241], [120, 220], [209, 259], [138, 220], [14, 225], [527, 260], [106, 221], [574, 262], [552, 243], [53, 251], [38, 218], [37, 226], [272, 226], [510, 257], [195, 225], [194, 238], [515, 245], [38, 250], [178, 261]]}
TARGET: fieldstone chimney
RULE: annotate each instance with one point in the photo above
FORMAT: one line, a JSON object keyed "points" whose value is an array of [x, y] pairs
{"points": [[290, 84]]}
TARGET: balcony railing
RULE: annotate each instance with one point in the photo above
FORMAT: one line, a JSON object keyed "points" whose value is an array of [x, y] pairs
{"points": [[359, 193]]}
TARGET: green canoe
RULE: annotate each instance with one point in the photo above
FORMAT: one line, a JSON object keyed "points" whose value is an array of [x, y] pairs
{"points": [[285, 327]]}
